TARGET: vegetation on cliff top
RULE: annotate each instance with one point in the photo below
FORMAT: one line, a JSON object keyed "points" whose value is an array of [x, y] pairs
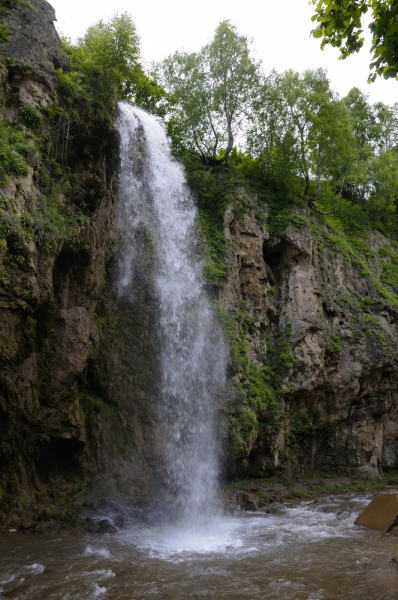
{"points": [[105, 67]]}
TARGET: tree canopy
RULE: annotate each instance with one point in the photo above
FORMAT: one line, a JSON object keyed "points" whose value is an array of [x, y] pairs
{"points": [[340, 24], [300, 139], [213, 89], [105, 66]]}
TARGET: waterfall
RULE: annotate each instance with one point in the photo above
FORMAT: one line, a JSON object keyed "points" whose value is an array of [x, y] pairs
{"points": [[155, 203]]}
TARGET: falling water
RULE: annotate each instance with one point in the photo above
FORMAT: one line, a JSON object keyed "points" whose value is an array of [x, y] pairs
{"points": [[155, 204]]}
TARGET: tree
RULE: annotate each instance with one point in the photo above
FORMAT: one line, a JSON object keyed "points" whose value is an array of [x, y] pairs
{"points": [[104, 64], [340, 24], [322, 131], [386, 126], [213, 89], [110, 52], [271, 135]]}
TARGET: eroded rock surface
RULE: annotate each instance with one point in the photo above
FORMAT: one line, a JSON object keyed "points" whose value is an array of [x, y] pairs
{"points": [[77, 366], [338, 365]]}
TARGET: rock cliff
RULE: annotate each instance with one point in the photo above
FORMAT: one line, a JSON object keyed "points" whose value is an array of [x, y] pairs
{"points": [[310, 308], [313, 371]]}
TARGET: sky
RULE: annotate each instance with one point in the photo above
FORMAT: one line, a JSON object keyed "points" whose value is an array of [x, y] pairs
{"points": [[280, 30]]}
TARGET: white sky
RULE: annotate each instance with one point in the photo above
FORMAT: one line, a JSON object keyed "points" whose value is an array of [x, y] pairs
{"points": [[280, 30]]}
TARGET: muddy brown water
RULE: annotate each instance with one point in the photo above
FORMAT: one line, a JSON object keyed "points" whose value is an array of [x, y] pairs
{"points": [[305, 551]]}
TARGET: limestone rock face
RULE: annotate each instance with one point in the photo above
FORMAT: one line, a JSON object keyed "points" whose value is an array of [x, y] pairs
{"points": [[68, 402], [339, 405], [34, 43], [381, 513]]}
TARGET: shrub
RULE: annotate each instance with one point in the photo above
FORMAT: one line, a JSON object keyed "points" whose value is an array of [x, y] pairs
{"points": [[30, 117]]}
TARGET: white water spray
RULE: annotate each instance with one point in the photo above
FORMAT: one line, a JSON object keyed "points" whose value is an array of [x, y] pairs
{"points": [[155, 203]]}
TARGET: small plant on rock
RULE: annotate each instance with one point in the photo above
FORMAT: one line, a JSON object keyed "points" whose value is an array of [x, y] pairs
{"points": [[30, 117]]}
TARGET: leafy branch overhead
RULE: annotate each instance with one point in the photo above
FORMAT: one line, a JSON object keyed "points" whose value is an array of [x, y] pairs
{"points": [[340, 23]]}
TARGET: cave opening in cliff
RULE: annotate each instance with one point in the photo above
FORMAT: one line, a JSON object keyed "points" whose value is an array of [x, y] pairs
{"points": [[60, 459], [273, 258]]}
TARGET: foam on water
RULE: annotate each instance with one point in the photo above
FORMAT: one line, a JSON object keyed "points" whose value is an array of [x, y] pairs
{"points": [[100, 552], [249, 533], [36, 569], [304, 551], [98, 591], [101, 573]]}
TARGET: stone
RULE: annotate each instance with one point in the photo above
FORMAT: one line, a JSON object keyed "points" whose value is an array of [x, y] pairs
{"points": [[381, 513], [248, 501], [118, 521], [97, 526], [105, 526], [384, 561]]}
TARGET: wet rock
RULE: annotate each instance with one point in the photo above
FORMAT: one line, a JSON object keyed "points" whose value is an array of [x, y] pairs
{"points": [[271, 511], [96, 526], [105, 526], [381, 513], [248, 501], [253, 486], [384, 561], [118, 521]]}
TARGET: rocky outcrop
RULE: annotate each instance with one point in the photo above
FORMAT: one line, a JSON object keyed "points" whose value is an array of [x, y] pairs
{"points": [[312, 314], [56, 232], [78, 362], [381, 513]]}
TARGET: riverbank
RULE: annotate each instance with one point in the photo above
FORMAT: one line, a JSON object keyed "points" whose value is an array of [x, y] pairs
{"points": [[60, 507], [255, 494]]}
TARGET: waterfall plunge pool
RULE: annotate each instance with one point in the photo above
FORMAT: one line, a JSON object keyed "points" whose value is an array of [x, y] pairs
{"points": [[303, 551]]}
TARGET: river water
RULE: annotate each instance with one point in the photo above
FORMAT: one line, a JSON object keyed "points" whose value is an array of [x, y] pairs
{"points": [[304, 551]]}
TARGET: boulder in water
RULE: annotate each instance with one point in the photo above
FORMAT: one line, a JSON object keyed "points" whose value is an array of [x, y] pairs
{"points": [[381, 513], [118, 521], [384, 561], [98, 526]]}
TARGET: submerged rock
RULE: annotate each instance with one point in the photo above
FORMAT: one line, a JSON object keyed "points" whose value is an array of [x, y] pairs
{"points": [[381, 513], [384, 561]]}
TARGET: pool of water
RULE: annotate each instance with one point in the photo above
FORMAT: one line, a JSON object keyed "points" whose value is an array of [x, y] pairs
{"points": [[304, 551]]}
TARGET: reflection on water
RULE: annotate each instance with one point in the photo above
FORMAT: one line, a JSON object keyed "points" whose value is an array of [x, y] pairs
{"points": [[305, 551]]}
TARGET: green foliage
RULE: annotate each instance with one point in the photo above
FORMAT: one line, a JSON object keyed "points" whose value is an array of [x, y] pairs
{"points": [[389, 275], [14, 149], [301, 127], [303, 421], [213, 274], [4, 33], [340, 24], [213, 89], [105, 68], [104, 63], [30, 117], [335, 344]]}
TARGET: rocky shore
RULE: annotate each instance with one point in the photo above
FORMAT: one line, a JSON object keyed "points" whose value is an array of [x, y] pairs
{"points": [[62, 511]]}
